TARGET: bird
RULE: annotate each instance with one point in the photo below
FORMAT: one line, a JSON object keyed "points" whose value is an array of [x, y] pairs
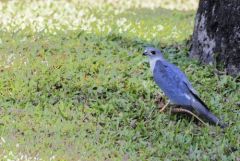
{"points": [[176, 86]]}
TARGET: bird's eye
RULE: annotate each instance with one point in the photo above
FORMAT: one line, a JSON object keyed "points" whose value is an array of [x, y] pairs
{"points": [[153, 52]]}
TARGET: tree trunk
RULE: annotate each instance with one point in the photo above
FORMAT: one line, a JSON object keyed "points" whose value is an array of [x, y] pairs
{"points": [[216, 37]]}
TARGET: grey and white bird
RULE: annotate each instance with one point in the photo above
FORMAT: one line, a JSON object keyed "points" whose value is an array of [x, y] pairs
{"points": [[176, 86]]}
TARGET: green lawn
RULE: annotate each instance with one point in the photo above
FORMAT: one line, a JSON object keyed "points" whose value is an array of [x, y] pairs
{"points": [[74, 85]]}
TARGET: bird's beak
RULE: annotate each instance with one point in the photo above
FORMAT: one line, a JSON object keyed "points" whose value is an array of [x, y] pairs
{"points": [[145, 53]]}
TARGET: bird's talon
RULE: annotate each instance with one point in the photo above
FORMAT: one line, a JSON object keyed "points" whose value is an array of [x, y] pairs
{"points": [[164, 107], [182, 110]]}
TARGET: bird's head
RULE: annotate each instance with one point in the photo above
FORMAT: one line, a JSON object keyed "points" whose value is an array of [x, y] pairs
{"points": [[153, 53]]}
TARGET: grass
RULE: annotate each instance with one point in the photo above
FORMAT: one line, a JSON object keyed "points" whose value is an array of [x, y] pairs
{"points": [[74, 86]]}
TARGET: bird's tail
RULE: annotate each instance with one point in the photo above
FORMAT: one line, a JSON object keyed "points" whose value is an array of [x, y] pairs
{"points": [[201, 108]]}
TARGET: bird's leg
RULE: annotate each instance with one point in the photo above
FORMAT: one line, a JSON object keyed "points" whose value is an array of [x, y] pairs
{"points": [[164, 107], [182, 110]]}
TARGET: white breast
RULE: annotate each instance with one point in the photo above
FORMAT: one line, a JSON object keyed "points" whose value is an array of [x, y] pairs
{"points": [[152, 62]]}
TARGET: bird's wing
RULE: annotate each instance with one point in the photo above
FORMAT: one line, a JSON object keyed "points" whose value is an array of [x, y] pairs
{"points": [[187, 84], [169, 79], [175, 70], [196, 97], [164, 76], [197, 103]]}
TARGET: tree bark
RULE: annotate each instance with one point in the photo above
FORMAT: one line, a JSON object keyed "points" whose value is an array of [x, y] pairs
{"points": [[216, 36]]}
